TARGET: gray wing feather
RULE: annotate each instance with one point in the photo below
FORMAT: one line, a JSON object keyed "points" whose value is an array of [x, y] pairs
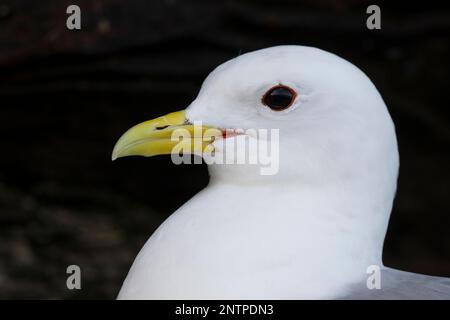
{"points": [[401, 285]]}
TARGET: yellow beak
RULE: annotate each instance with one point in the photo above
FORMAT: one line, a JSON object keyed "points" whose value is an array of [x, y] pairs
{"points": [[165, 135]]}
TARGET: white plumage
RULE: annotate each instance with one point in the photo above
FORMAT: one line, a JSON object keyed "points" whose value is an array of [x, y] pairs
{"points": [[309, 231]]}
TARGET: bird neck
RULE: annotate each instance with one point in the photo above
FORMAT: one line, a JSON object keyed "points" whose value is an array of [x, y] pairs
{"points": [[327, 232]]}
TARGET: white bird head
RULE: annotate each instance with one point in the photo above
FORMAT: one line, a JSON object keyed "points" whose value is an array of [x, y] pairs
{"points": [[333, 124]]}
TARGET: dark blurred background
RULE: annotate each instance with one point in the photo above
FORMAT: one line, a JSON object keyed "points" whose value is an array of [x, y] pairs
{"points": [[66, 96]]}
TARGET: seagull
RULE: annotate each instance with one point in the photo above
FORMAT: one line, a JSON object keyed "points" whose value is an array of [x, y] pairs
{"points": [[313, 229]]}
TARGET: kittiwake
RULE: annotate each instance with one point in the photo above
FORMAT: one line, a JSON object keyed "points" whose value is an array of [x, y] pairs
{"points": [[309, 231]]}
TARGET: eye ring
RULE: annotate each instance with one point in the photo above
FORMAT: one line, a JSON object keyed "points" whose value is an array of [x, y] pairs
{"points": [[279, 97]]}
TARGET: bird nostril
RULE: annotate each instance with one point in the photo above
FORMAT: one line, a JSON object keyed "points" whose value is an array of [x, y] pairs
{"points": [[161, 128]]}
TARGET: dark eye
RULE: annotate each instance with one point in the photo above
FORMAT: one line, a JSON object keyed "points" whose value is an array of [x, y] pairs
{"points": [[279, 98]]}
